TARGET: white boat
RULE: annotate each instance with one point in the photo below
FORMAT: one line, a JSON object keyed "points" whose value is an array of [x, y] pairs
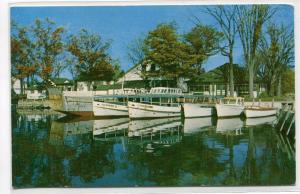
{"points": [[260, 120], [194, 106], [197, 110], [79, 103], [193, 125], [258, 111], [110, 105], [160, 102], [232, 106]]}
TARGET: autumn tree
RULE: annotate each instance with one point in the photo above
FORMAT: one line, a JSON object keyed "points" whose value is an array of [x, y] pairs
{"points": [[92, 60], [225, 17], [250, 21], [48, 45], [21, 55]]}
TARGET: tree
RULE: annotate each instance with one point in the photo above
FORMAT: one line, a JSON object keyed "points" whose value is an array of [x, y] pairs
{"points": [[21, 55], [288, 82], [136, 51], [250, 20], [276, 54], [203, 41], [225, 17], [48, 45], [92, 61], [164, 50]]}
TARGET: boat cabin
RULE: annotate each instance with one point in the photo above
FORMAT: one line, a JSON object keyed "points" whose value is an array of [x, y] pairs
{"points": [[233, 100], [113, 99]]}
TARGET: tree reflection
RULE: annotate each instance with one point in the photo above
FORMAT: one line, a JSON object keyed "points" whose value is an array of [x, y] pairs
{"points": [[94, 163]]}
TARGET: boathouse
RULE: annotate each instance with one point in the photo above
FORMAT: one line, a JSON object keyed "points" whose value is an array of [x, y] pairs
{"points": [[216, 82]]}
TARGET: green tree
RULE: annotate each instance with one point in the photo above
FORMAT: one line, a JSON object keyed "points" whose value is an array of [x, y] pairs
{"points": [[203, 41], [288, 82], [92, 61], [163, 49]]}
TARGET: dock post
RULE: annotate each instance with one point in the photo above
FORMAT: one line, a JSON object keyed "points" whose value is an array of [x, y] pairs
{"points": [[293, 120], [286, 117]]}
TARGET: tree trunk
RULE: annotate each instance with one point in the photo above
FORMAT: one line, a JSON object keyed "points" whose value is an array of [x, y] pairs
{"points": [[278, 91], [21, 85], [272, 85], [231, 83], [251, 80]]}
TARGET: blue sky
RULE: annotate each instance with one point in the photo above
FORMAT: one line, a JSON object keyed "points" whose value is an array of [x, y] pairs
{"points": [[123, 24]]}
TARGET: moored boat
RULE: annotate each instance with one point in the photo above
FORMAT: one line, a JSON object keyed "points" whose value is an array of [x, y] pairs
{"points": [[110, 105], [197, 110], [197, 106], [160, 102], [232, 106], [77, 103]]}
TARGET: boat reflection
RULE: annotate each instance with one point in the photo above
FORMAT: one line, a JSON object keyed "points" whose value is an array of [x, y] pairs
{"points": [[104, 129], [230, 126], [194, 125], [69, 133], [260, 121], [155, 132]]}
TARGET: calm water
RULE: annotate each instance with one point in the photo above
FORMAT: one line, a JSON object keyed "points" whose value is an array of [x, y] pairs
{"points": [[52, 152]]}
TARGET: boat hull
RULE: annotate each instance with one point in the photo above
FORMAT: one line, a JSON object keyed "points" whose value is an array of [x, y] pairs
{"points": [[77, 113], [80, 105], [229, 110], [103, 109], [196, 110], [252, 113], [141, 110]]}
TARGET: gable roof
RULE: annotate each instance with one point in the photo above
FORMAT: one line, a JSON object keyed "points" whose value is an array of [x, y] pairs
{"points": [[60, 81]]}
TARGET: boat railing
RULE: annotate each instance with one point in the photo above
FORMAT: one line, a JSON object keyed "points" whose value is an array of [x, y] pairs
{"points": [[168, 104]]}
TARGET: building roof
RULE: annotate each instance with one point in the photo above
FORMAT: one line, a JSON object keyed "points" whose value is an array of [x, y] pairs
{"points": [[60, 81], [221, 74]]}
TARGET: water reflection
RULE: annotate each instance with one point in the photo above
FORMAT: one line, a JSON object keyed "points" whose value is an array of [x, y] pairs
{"points": [[193, 125], [260, 121], [105, 129], [53, 152], [229, 125]]}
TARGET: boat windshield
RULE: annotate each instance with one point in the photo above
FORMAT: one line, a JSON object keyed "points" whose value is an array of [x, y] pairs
{"points": [[112, 99], [165, 90]]}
